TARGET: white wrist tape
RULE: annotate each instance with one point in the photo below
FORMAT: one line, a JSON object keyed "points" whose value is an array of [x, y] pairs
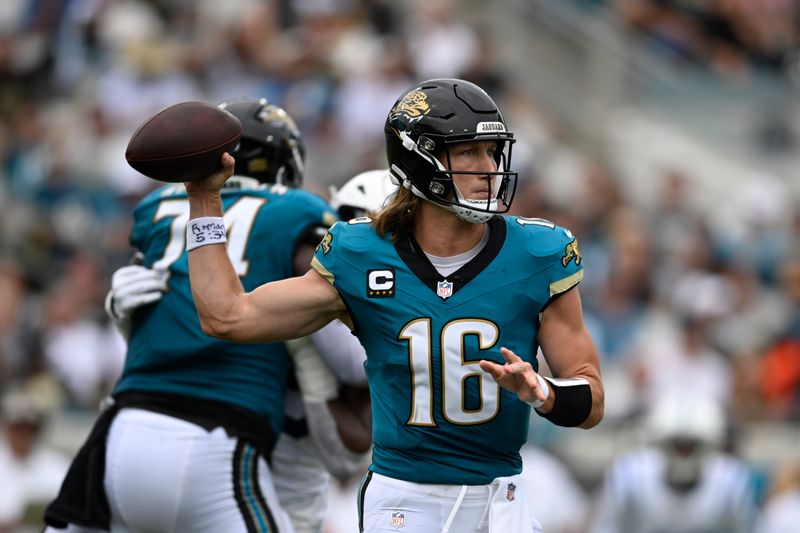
{"points": [[205, 230], [545, 389]]}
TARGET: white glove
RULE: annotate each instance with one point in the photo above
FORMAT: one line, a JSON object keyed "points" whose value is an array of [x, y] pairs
{"points": [[316, 382], [133, 286]]}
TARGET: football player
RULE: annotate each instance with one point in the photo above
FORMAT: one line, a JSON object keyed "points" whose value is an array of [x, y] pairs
{"points": [[444, 293], [682, 480], [327, 417], [185, 443]]}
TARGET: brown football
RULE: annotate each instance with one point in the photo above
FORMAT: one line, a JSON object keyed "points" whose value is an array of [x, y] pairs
{"points": [[183, 142]]}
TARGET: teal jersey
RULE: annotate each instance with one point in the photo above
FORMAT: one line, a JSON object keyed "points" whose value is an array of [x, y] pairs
{"points": [[167, 349], [437, 417]]}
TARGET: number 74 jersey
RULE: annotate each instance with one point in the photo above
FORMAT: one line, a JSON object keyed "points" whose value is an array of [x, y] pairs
{"points": [[437, 417], [167, 349]]}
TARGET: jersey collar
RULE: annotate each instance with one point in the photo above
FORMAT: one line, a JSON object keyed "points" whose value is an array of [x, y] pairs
{"points": [[412, 255]]}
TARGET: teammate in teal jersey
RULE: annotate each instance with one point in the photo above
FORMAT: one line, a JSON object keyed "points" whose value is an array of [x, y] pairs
{"points": [[185, 445], [444, 293]]}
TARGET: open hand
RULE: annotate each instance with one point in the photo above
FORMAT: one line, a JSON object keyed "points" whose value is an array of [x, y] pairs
{"points": [[516, 376]]}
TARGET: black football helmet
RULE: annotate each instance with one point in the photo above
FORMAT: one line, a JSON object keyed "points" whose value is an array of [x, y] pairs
{"points": [[271, 148], [442, 112]]}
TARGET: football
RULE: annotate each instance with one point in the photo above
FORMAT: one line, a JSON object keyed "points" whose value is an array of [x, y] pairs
{"points": [[183, 142]]}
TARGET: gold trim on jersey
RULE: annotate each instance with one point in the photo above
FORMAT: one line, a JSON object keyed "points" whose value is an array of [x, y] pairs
{"points": [[561, 285], [322, 271]]}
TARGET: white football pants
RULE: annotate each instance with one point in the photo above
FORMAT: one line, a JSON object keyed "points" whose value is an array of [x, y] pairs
{"points": [[166, 475], [390, 504]]}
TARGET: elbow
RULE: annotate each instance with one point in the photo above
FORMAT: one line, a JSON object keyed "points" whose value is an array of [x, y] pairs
{"points": [[216, 328], [596, 414], [222, 322], [220, 318]]}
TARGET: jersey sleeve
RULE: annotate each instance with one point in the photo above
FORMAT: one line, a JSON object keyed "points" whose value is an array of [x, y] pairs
{"points": [[326, 255], [284, 223], [566, 265], [555, 261], [301, 211]]}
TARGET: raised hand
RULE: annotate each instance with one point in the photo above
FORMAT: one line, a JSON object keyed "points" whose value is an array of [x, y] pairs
{"points": [[516, 376], [212, 183]]}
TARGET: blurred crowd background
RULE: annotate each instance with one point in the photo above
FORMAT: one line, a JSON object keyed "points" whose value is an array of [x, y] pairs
{"points": [[664, 133]]}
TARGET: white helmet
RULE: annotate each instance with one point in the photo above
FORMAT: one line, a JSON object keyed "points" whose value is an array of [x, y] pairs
{"points": [[687, 428], [365, 192], [692, 416]]}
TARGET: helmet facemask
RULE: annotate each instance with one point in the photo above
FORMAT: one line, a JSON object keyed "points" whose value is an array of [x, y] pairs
{"points": [[442, 188], [685, 461]]}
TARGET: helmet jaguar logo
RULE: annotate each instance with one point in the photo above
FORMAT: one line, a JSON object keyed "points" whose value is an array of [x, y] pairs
{"points": [[273, 113], [258, 164], [414, 105]]}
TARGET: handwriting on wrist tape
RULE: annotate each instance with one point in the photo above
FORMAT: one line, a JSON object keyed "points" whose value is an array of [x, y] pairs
{"points": [[211, 230]]}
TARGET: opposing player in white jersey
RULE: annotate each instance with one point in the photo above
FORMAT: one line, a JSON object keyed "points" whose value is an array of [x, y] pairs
{"points": [[683, 482]]}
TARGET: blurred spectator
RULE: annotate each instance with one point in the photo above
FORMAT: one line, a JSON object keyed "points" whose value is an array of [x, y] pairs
{"points": [[679, 359], [83, 350], [779, 372], [675, 218], [386, 74], [757, 314], [30, 471], [760, 231], [484, 69], [14, 342], [731, 37], [28, 162], [680, 481], [620, 301], [782, 509], [442, 45]]}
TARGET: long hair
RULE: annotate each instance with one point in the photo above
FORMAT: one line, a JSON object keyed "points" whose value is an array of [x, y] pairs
{"points": [[397, 217]]}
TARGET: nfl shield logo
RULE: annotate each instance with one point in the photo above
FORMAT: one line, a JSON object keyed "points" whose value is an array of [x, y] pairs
{"points": [[398, 520], [444, 289], [510, 492]]}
